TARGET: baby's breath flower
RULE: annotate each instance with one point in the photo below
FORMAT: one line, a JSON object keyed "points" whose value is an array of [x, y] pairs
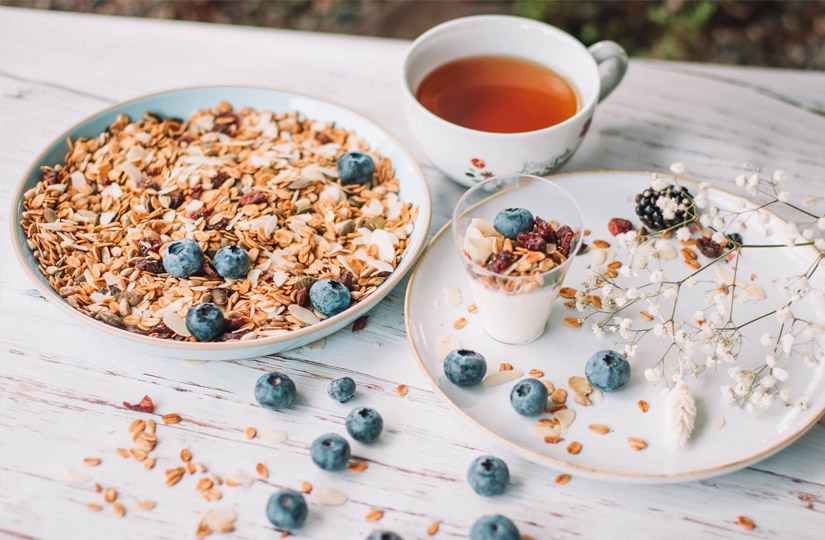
{"points": [[596, 330], [689, 283], [753, 180], [766, 339], [718, 223], [718, 237], [659, 329], [785, 394], [651, 375], [626, 271], [819, 244], [780, 374], [767, 382], [741, 180], [783, 196], [809, 200], [677, 168], [658, 182], [656, 276], [820, 223], [770, 360], [787, 344], [632, 293], [801, 404], [683, 233], [779, 175], [625, 326], [653, 309], [752, 191], [705, 220], [670, 292], [783, 314]]}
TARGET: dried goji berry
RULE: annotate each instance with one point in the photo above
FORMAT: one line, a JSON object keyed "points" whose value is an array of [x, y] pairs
{"points": [[531, 241], [619, 226], [146, 405], [546, 230], [499, 262], [253, 197]]}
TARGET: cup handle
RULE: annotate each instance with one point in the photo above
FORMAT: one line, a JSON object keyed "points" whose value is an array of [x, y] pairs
{"points": [[612, 62]]}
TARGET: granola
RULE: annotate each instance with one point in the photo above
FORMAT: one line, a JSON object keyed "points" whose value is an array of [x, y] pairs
{"points": [[98, 223]]}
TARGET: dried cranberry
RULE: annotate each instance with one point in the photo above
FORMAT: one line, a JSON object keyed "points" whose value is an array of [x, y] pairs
{"points": [[51, 177], [196, 214], [234, 324], [218, 225], [148, 183], [619, 226], [152, 171], [175, 199], [160, 329], [322, 138], [546, 230], [531, 241], [253, 197], [196, 191], [268, 278], [209, 270], [360, 323], [708, 247], [302, 297], [152, 266], [565, 237], [347, 278], [148, 245], [146, 405], [499, 262], [219, 179], [225, 123], [185, 139]]}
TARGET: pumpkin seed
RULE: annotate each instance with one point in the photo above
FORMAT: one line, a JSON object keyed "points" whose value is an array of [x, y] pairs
{"points": [[345, 227], [110, 318], [219, 296], [300, 183], [376, 222]]}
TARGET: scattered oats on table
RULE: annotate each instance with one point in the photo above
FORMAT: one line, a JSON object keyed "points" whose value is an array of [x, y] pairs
{"points": [[98, 222]]}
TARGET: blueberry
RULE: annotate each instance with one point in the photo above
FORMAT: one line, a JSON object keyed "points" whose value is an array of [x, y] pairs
{"points": [[488, 475], [330, 452], [329, 296], [464, 367], [355, 168], [205, 321], [364, 424], [529, 397], [607, 371], [182, 258], [494, 528], [512, 221], [275, 391], [342, 389], [286, 509], [383, 535], [231, 262]]}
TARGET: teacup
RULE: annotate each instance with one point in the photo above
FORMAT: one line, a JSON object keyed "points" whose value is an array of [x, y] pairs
{"points": [[469, 156]]}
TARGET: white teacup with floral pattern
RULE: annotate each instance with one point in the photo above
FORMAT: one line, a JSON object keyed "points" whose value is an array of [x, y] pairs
{"points": [[469, 156]]}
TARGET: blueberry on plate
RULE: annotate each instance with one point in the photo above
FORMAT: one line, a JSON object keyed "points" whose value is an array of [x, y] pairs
{"points": [[329, 296], [464, 367], [529, 397], [205, 321], [231, 262], [275, 391], [494, 528], [512, 221], [342, 389], [355, 168], [488, 475], [286, 510], [364, 424], [383, 535], [607, 371], [182, 258], [330, 452]]}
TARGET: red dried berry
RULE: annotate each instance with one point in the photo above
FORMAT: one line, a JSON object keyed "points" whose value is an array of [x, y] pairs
{"points": [[219, 179], [234, 324], [546, 230], [185, 139], [531, 241], [253, 197], [302, 297], [218, 225], [148, 245], [619, 226], [708, 247], [347, 278], [360, 323], [225, 123], [322, 138], [160, 329], [196, 191], [565, 236], [499, 262], [175, 199], [146, 405], [209, 270], [152, 266], [51, 177]]}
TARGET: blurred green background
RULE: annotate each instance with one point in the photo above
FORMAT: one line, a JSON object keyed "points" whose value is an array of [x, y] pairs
{"points": [[764, 33]]}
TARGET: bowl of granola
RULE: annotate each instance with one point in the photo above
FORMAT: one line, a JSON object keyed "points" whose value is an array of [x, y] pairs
{"points": [[220, 222]]}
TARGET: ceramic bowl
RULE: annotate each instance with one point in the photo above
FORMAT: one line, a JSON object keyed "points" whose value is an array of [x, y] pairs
{"points": [[182, 103]]}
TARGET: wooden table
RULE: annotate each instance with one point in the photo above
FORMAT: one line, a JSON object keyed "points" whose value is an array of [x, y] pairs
{"points": [[62, 390]]}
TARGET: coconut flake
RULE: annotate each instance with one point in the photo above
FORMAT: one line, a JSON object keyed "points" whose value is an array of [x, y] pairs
{"points": [[132, 171], [501, 377], [78, 179], [176, 323], [107, 217], [279, 278], [113, 190], [444, 345], [273, 437], [451, 296], [374, 208], [327, 497], [384, 242], [302, 314]]}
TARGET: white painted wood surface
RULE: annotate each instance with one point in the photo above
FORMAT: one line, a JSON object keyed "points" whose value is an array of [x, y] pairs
{"points": [[60, 391]]}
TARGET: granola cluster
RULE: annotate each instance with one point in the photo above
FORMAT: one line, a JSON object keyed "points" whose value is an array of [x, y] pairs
{"points": [[99, 222]]}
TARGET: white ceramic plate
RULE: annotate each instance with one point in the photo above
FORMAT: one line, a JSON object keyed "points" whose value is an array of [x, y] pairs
{"points": [[182, 103], [562, 352]]}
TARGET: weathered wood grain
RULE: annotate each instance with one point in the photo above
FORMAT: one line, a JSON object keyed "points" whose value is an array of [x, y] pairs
{"points": [[61, 389]]}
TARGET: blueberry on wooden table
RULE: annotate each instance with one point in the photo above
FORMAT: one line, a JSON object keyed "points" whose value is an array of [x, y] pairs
{"points": [[275, 391], [494, 527], [342, 389], [286, 510], [182, 258], [329, 296], [355, 168], [464, 367], [231, 261], [205, 321], [512, 221], [330, 452], [607, 370], [383, 535], [529, 397], [488, 476], [364, 424]]}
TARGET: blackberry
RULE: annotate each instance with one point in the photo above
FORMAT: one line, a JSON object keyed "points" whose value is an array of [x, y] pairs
{"points": [[652, 215]]}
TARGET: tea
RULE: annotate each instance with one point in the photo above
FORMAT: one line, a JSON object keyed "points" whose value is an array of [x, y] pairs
{"points": [[499, 94]]}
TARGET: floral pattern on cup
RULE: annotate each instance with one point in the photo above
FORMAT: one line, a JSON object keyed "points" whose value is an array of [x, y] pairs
{"points": [[477, 170], [548, 166]]}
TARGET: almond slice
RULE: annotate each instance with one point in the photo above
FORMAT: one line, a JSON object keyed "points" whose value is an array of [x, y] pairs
{"points": [[327, 497], [501, 377]]}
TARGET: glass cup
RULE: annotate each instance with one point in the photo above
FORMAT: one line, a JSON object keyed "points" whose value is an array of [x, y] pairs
{"points": [[514, 309]]}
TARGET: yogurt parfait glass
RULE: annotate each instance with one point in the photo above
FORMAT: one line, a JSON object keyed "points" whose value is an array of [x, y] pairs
{"points": [[514, 304]]}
